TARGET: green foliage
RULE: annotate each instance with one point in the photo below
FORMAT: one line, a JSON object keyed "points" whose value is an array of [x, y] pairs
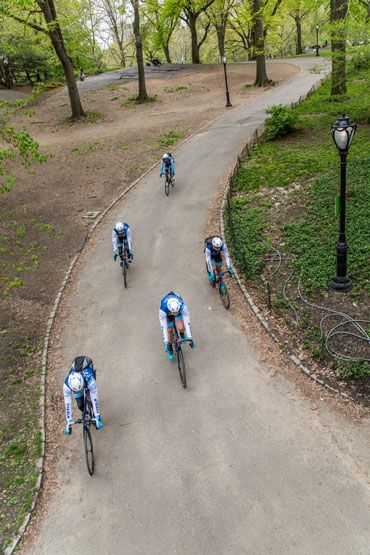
{"points": [[170, 138], [357, 370], [360, 61], [282, 121], [133, 101], [85, 149], [174, 89], [313, 238]]}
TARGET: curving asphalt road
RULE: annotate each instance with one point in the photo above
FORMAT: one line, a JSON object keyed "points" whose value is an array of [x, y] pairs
{"points": [[237, 463]]}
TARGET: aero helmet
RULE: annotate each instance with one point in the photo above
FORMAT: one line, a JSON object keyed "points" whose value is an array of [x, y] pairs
{"points": [[173, 305], [75, 382], [119, 226], [165, 156], [216, 242]]}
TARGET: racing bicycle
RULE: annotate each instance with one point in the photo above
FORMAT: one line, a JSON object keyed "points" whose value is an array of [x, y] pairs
{"points": [[87, 420]]}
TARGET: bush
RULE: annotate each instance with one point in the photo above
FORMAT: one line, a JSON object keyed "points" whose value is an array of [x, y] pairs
{"points": [[360, 61], [282, 121]]}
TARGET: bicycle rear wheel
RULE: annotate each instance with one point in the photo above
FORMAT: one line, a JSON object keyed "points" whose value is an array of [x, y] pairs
{"points": [[181, 366], [89, 450], [167, 185], [224, 294]]}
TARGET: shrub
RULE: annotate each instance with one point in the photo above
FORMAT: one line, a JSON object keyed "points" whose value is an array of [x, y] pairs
{"points": [[282, 121]]}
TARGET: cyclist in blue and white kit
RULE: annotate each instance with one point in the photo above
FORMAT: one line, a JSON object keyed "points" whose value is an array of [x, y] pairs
{"points": [[81, 375], [121, 234], [167, 163], [214, 249], [173, 311]]}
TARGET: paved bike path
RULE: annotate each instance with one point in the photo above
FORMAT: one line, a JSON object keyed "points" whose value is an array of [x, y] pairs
{"points": [[237, 463]]}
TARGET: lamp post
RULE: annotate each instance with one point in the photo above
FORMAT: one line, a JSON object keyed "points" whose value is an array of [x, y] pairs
{"points": [[343, 132], [317, 40], [228, 103]]}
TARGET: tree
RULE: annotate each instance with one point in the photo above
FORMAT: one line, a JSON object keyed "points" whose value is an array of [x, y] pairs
{"points": [[259, 45], [219, 13], [21, 11], [112, 14], [191, 11], [338, 25], [143, 95], [164, 18]]}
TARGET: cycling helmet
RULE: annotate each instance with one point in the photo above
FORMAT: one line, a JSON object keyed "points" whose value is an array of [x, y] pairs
{"points": [[217, 242], [76, 382], [119, 226], [173, 305], [165, 156], [80, 363]]}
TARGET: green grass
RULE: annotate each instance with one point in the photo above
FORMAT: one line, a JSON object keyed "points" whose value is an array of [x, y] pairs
{"points": [[86, 148], [308, 227], [170, 138], [175, 89], [132, 101]]}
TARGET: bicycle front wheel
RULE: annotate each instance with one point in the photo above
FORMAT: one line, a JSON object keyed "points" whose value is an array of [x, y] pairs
{"points": [[224, 294], [167, 185], [89, 450], [181, 366], [124, 272]]}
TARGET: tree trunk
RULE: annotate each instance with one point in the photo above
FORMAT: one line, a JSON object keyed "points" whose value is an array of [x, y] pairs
{"points": [[143, 95], [298, 24], [192, 22], [261, 74], [338, 14], [56, 37], [122, 56], [166, 50]]}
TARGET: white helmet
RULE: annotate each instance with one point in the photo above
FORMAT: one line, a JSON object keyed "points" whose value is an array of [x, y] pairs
{"points": [[76, 382], [216, 242], [173, 305], [165, 156], [119, 226]]}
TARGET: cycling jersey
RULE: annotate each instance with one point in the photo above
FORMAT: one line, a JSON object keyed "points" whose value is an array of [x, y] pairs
{"points": [[165, 317], [170, 164], [120, 237], [213, 254], [90, 383]]}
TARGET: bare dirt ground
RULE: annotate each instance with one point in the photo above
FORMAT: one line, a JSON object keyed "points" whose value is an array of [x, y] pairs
{"points": [[45, 218]]}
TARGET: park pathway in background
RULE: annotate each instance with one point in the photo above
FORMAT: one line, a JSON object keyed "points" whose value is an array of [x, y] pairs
{"points": [[237, 462]]}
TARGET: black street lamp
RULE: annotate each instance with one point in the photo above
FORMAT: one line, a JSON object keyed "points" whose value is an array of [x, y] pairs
{"points": [[228, 103], [343, 132], [317, 40]]}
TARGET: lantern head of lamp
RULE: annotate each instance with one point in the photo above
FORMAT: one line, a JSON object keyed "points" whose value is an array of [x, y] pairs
{"points": [[224, 60], [343, 132]]}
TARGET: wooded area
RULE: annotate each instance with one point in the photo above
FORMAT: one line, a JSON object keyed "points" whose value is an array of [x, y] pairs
{"points": [[44, 40]]}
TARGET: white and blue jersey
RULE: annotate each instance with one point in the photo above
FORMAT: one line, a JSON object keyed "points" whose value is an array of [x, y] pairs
{"points": [[166, 318], [90, 384], [167, 164], [214, 256], [119, 237]]}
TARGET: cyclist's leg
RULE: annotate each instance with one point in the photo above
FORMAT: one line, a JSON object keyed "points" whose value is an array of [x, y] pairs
{"points": [[120, 250], [170, 325], [180, 326], [80, 401]]}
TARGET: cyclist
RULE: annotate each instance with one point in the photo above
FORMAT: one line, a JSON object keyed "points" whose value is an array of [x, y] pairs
{"points": [[214, 248], [167, 164], [81, 375], [173, 311], [122, 236]]}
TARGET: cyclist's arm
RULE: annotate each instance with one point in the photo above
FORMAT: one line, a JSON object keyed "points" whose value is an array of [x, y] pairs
{"points": [[161, 168], [172, 167], [186, 318], [114, 240], [226, 254], [208, 260], [129, 239], [163, 323], [93, 388], [67, 393]]}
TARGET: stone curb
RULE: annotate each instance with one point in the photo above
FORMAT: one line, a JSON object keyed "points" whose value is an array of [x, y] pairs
{"points": [[40, 462], [227, 182]]}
